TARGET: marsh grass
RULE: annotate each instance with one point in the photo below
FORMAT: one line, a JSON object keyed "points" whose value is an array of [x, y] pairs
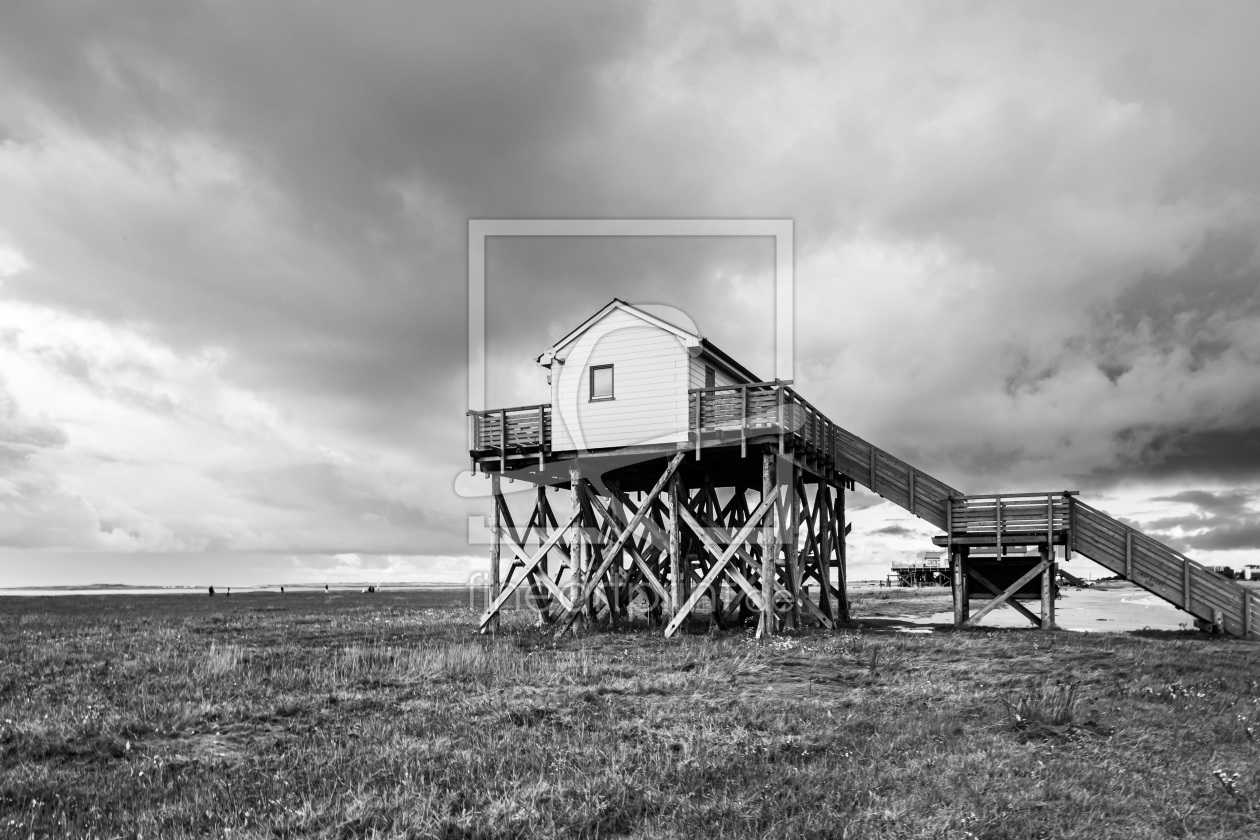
{"points": [[331, 716], [1043, 709]]}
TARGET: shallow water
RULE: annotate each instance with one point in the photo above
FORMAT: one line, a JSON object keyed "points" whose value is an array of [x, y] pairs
{"points": [[1118, 608]]}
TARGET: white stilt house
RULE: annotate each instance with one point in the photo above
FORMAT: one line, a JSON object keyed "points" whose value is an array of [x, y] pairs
{"points": [[622, 377], [689, 482]]}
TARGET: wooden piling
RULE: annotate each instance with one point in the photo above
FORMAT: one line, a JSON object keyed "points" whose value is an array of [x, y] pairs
{"points": [[675, 548], [496, 546], [765, 627]]}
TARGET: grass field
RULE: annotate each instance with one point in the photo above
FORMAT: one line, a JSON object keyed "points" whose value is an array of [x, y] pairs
{"points": [[348, 715]]}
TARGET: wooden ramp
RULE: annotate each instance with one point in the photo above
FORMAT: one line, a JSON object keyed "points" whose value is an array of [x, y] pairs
{"points": [[1171, 575], [1215, 601]]}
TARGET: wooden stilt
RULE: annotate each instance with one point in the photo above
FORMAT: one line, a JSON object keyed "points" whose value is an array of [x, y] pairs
{"points": [[591, 559], [840, 533], [959, 564], [823, 547], [675, 549], [496, 543], [1047, 587], [769, 549], [790, 524], [577, 579]]}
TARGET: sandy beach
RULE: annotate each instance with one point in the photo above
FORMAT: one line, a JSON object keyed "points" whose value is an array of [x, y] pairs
{"points": [[1113, 606]]}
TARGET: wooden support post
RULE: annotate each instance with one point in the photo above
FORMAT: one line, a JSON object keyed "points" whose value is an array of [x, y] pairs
{"points": [[577, 576], [542, 598], [743, 421], [956, 576], [1047, 587], [765, 627], [542, 435], [699, 397], [675, 549], [1128, 554], [962, 608], [778, 391], [872, 465], [997, 509], [496, 547], [791, 526], [591, 556], [502, 440], [823, 547], [1246, 614], [1070, 542], [841, 534], [1049, 580]]}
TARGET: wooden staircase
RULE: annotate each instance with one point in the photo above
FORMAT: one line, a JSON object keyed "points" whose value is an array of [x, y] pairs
{"points": [[1216, 602], [1171, 575]]}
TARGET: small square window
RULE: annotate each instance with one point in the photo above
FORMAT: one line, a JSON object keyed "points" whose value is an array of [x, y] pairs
{"points": [[601, 382], [710, 377]]}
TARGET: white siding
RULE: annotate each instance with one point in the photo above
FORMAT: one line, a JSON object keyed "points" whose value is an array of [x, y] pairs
{"points": [[721, 375], [650, 371]]}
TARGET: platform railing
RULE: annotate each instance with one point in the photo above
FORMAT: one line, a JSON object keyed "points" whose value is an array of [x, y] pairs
{"points": [[509, 431], [1165, 571], [730, 414], [726, 414], [1011, 517]]}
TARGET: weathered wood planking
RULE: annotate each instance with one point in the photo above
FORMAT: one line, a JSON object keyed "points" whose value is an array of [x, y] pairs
{"points": [[1158, 568], [522, 428], [779, 409]]}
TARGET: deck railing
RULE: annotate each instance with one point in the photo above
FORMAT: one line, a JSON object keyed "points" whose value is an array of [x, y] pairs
{"points": [[1011, 517], [1165, 571], [510, 431], [735, 413]]}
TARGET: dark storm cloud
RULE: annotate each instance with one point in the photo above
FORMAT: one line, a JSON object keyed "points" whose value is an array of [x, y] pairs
{"points": [[1220, 521], [366, 137], [1231, 455], [1026, 236], [22, 437], [895, 531], [1244, 535], [1229, 502]]}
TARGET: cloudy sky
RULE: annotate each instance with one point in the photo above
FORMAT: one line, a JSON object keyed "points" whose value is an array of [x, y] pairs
{"points": [[233, 307]]}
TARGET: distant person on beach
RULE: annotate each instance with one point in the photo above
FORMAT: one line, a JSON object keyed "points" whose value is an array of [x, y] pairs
{"points": [[212, 592], [229, 592], [282, 590], [325, 589]]}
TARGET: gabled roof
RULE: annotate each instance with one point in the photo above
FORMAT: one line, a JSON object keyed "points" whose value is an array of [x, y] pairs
{"points": [[698, 344], [617, 303]]}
